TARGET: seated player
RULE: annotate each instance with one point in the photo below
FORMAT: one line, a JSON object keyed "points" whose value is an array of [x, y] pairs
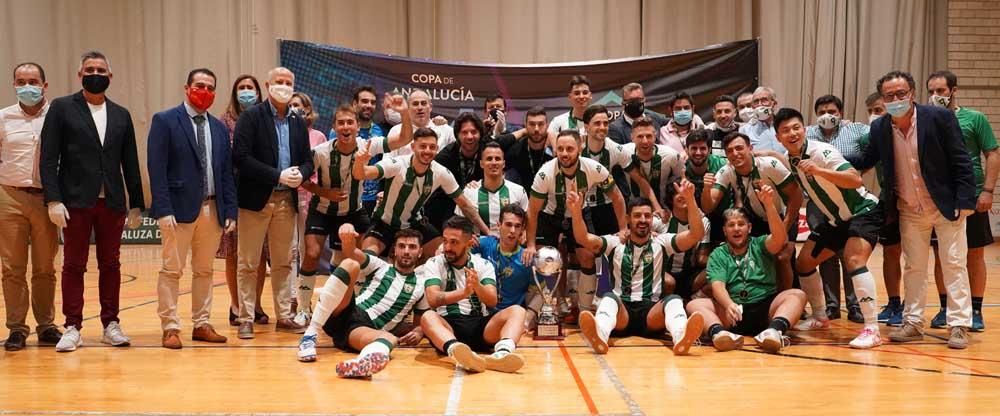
{"points": [[688, 267], [515, 282], [745, 297], [637, 305], [463, 290]]}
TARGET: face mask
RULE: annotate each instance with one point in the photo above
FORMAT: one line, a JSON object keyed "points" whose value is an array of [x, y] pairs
{"points": [[200, 98], [872, 118], [828, 121], [95, 83], [682, 117], [898, 108], [393, 116], [280, 93], [29, 95], [746, 114], [731, 127], [939, 100], [763, 113], [247, 98], [634, 109]]}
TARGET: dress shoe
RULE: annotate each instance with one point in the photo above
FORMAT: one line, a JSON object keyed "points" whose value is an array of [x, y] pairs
{"points": [[854, 315], [833, 312], [261, 318], [288, 325], [233, 318], [49, 336], [245, 331], [207, 333], [15, 342], [172, 339]]}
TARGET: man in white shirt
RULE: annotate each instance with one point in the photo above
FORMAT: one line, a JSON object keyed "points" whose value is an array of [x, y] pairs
{"points": [[420, 107], [579, 99]]}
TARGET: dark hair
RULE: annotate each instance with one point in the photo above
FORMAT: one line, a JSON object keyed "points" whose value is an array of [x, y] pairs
{"points": [[872, 98], [670, 193], [468, 117], [40, 70], [949, 77], [94, 55], [681, 96], [234, 109], [827, 99], [893, 75], [460, 223], [408, 233], [643, 121], [344, 108], [361, 89], [578, 80], [569, 132], [786, 114], [535, 111], [742, 94], [514, 209], [733, 136], [724, 99], [593, 110], [424, 132], [696, 136], [494, 97], [195, 71], [638, 201], [492, 144]]}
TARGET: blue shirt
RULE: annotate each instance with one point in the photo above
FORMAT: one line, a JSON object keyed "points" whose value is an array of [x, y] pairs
{"points": [[762, 136], [284, 150], [513, 277], [370, 192], [847, 137]]}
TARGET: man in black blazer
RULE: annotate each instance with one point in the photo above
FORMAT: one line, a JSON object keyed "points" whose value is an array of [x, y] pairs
{"points": [[88, 163], [271, 156], [928, 185], [194, 197]]}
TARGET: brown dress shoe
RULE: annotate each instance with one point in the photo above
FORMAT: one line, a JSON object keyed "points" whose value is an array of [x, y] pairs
{"points": [[207, 333], [288, 325], [172, 339]]}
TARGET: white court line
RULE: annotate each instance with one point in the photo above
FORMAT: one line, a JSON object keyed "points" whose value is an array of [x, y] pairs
{"points": [[633, 406], [455, 392]]}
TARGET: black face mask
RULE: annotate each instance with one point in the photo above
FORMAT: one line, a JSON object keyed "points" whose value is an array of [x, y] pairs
{"points": [[96, 84], [634, 109]]}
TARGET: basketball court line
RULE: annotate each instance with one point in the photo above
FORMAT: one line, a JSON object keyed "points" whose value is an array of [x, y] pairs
{"points": [[579, 381], [633, 407], [878, 365], [917, 352], [455, 392], [92, 413]]}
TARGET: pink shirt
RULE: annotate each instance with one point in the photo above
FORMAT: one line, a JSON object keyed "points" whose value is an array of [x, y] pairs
{"points": [[910, 187]]}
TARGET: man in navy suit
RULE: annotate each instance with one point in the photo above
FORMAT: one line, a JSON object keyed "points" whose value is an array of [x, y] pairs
{"points": [[194, 198], [928, 185]]}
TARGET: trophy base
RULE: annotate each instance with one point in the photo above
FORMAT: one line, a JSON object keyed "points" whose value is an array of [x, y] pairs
{"points": [[549, 332]]}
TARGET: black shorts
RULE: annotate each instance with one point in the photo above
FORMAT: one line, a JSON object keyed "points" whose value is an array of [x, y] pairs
{"points": [[889, 235], [866, 226], [340, 327], [684, 281], [601, 219], [318, 223], [469, 331], [550, 228], [755, 317], [387, 233], [637, 314]]}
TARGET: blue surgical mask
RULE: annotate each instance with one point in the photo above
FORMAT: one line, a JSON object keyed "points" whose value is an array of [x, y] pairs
{"points": [[29, 95], [682, 117], [898, 108], [247, 98]]}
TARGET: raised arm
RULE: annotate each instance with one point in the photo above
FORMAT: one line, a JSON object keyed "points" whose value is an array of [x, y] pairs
{"points": [[690, 238], [779, 235], [398, 103]]}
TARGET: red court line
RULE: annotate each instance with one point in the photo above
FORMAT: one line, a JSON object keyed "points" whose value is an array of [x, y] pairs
{"points": [[579, 381], [951, 357], [918, 352]]}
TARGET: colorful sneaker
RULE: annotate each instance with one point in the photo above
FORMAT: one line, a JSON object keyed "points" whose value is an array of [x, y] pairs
{"points": [[695, 323], [770, 340], [302, 318], [588, 328], [812, 324], [70, 340], [363, 367], [727, 341], [307, 349], [977, 321], [868, 338], [897, 317], [940, 320], [504, 362], [114, 335], [468, 359], [886, 313]]}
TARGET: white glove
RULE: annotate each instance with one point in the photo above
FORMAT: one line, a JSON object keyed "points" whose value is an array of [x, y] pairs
{"points": [[290, 177], [167, 223], [134, 219], [58, 214]]}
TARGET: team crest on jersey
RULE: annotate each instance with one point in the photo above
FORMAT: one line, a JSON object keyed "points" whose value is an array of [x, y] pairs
{"points": [[507, 272], [408, 288], [648, 257]]}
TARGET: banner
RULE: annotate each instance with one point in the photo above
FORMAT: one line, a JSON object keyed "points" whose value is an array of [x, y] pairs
{"points": [[329, 75]]}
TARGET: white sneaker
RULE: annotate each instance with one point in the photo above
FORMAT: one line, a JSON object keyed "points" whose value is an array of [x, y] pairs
{"points": [[812, 324], [770, 340], [468, 359], [868, 338], [307, 348], [302, 318], [727, 341], [692, 330], [114, 335], [588, 328], [70, 340], [504, 362]]}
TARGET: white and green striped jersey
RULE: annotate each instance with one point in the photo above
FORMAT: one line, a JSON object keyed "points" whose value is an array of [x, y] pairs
{"points": [[550, 183], [611, 154], [333, 170], [664, 167], [681, 261], [437, 272], [387, 295], [405, 192], [766, 171], [637, 270], [489, 202], [838, 205]]}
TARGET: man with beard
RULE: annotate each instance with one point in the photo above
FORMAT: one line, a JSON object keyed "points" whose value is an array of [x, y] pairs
{"points": [[409, 182], [364, 103], [527, 156], [579, 99], [462, 288], [746, 298], [633, 107], [688, 267], [494, 192], [853, 221], [515, 282], [724, 114], [637, 305], [702, 165], [420, 106], [363, 322], [657, 164], [602, 214]]}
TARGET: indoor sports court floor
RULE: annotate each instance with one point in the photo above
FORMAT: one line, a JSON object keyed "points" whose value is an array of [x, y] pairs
{"points": [[817, 375]]}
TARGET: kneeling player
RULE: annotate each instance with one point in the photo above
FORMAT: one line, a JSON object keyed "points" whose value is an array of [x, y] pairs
{"points": [[463, 289], [636, 305], [744, 284]]}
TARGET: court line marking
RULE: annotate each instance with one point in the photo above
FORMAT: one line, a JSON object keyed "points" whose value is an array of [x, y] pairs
{"points": [[878, 365], [94, 413], [923, 354], [455, 391], [633, 407], [579, 381], [918, 352]]}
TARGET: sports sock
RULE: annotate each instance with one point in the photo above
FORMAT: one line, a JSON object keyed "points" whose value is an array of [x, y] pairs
{"points": [[813, 286], [864, 290], [307, 282], [674, 316], [333, 293], [606, 317]]}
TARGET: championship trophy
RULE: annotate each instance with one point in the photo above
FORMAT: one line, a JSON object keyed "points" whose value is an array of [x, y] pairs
{"points": [[548, 264]]}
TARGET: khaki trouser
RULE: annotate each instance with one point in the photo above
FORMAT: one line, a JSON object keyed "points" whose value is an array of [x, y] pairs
{"points": [[915, 230], [201, 238], [24, 218], [276, 221]]}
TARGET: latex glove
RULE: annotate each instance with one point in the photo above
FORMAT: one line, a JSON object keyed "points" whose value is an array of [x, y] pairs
{"points": [[58, 214], [167, 223], [290, 177], [134, 219], [230, 225]]}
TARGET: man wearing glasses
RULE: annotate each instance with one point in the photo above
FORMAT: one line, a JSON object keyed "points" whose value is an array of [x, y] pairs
{"points": [[929, 185]]}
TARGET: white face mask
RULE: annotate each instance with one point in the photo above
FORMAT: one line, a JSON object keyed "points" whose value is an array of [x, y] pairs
{"points": [[828, 121], [746, 114], [872, 118], [280, 93], [939, 100], [393, 116], [763, 113]]}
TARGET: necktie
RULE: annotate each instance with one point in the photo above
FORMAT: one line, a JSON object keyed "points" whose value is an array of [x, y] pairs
{"points": [[199, 122]]}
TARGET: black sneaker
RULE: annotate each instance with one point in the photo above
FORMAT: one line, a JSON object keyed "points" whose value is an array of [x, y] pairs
{"points": [[49, 336], [833, 312], [854, 314], [260, 318], [233, 318], [15, 342]]}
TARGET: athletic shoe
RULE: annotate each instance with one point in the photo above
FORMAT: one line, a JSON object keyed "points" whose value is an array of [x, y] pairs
{"points": [[302, 318], [70, 340], [770, 340], [588, 328], [854, 315], [695, 323], [245, 331], [364, 366], [959, 339], [307, 349], [49, 336], [114, 336], [977, 321], [897, 317], [886, 313], [940, 320], [469, 360], [812, 324], [868, 338], [906, 333], [727, 341], [504, 362]]}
